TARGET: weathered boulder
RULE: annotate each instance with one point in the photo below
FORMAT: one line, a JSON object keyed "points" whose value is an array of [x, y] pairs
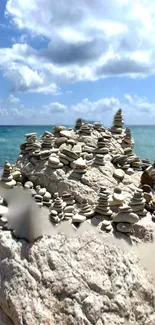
{"points": [[78, 280]]}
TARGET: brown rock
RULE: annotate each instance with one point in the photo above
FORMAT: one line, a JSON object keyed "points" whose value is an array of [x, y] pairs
{"points": [[146, 179]]}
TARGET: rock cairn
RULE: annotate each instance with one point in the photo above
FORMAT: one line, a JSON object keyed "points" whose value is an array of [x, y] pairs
{"points": [[118, 122], [86, 209], [78, 124], [117, 198], [98, 127], [137, 203], [58, 205], [103, 207], [125, 219], [85, 129], [6, 176], [127, 139], [68, 211], [47, 140]]}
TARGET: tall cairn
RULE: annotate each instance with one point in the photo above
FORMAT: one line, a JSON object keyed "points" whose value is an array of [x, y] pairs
{"points": [[127, 140], [118, 122], [78, 124]]}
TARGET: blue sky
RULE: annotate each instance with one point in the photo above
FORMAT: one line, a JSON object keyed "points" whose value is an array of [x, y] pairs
{"points": [[60, 60]]}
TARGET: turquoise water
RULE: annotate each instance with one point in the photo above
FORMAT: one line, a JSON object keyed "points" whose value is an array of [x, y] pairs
{"points": [[12, 136]]}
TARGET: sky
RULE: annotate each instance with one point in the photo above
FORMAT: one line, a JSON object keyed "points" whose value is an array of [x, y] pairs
{"points": [[61, 60]]}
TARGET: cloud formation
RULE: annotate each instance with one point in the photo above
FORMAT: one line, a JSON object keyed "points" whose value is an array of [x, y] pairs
{"points": [[86, 40], [135, 110]]}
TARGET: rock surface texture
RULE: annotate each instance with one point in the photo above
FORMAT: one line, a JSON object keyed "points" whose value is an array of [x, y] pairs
{"points": [[69, 281]]}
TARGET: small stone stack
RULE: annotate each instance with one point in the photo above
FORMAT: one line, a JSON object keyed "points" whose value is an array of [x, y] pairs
{"points": [[57, 129], [6, 176], [58, 205], [53, 216], [85, 129], [118, 122], [98, 127], [128, 140], [45, 195], [120, 160], [54, 162], [47, 199], [68, 199], [136, 163], [79, 166], [86, 210], [67, 155], [103, 207], [47, 140], [125, 219], [39, 200], [31, 142], [117, 198], [102, 146], [78, 124], [137, 203]]}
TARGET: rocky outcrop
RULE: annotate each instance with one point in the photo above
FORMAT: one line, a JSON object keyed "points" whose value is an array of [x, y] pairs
{"points": [[68, 281]]}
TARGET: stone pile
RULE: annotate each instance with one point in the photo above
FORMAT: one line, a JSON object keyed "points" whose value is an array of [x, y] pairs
{"points": [[98, 127], [57, 129], [53, 216], [120, 160], [54, 162], [47, 140], [137, 203], [68, 199], [102, 146], [125, 219], [85, 129], [39, 200], [58, 205], [127, 139], [31, 143], [116, 199], [7, 176], [86, 210], [106, 225], [103, 207], [68, 154], [118, 122], [78, 124], [79, 166]]}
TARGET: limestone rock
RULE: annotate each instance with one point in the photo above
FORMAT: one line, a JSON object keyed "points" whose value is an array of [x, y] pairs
{"points": [[61, 280]]}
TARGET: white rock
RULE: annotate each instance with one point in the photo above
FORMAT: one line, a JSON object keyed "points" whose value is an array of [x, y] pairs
{"points": [[78, 218], [119, 173], [11, 183], [3, 210]]}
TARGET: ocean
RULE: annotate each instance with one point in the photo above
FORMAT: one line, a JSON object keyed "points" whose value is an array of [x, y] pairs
{"points": [[12, 136]]}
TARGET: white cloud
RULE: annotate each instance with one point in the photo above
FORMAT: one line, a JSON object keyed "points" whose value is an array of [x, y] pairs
{"points": [[86, 40], [54, 108], [136, 110], [13, 100], [25, 79]]}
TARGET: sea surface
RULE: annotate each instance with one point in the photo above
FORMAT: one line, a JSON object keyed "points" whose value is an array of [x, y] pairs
{"points": [[12, 136]]}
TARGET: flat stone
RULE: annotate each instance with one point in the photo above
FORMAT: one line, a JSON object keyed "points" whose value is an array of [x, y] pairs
{"points": [[10, 184], [28, 184], [3, 210], [124, 227], [66, 133], [47, 196], [54, 160], [60, 141], [119, 173], [42, 191], [78, 218], [126, 217]]}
